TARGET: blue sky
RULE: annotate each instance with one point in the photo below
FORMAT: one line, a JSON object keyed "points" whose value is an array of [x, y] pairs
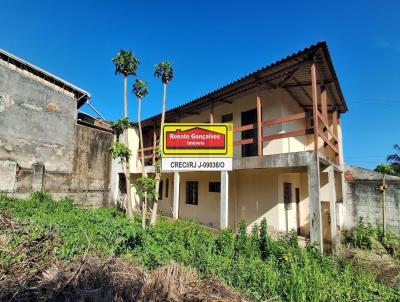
{"points": [[212, 43]]}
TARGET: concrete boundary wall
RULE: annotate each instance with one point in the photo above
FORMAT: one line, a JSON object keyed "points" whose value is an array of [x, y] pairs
{"points": [[41, 145], [364, 198]]}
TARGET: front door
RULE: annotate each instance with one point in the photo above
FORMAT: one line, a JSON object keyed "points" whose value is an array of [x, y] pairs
{"points": [[250, 117]]}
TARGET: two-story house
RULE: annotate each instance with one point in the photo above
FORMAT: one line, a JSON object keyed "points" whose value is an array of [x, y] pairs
{"points": [[288, 162]]}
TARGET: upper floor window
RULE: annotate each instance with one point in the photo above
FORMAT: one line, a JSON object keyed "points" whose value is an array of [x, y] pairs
{"points": [[248, 118], [226, 118]]}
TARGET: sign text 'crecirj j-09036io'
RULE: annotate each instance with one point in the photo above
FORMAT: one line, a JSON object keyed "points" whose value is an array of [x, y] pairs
{"points": [[197, 147]]}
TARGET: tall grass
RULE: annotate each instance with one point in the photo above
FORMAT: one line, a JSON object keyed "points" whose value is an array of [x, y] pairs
{"points": [[259, 266], [365, 233]]}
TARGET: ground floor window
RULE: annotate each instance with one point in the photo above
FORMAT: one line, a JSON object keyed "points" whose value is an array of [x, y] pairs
{"points": [[287, 195], [166, 187], [160, 189], [122, 183], [192, 192], [214, 186]]}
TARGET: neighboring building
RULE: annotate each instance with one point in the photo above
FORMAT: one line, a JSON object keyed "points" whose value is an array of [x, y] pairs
{"points": [[365, 199], [288, 160], [43, 144]]}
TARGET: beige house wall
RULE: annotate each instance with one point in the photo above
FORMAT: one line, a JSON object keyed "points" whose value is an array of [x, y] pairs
{"points": [[165, 201], [304, 205], [258, 197], [253, 195], [288, 218], [133, 143], [275, 103]]}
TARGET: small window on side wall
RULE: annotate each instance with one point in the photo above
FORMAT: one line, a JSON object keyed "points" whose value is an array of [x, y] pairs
{"points": [[160, 190], [166, 187], [192, 192], [226, 118], [214, 186]]}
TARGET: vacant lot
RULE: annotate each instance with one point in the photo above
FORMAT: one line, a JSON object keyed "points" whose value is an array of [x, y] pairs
{"points": [[56, 250]]}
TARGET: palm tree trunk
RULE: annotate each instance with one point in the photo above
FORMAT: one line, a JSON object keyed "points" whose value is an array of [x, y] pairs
{"points": [[127, 169], [158, 176], [144, 201]]}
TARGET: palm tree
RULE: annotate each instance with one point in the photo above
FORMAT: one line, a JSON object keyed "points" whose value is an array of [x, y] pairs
{"points": [[126, 64], [164, 71], [394, 159], [139, 89]]}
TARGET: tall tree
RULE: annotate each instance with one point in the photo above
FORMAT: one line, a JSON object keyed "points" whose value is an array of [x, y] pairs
{"points": [[165, 72], [126, 64], [139, 89], [394, 159], [387, 169]]}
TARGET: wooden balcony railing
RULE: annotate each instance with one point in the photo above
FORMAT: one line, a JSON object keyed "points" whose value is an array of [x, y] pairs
{"points": [[243, 141], [149, 153], [267, 124], [328, 135]]}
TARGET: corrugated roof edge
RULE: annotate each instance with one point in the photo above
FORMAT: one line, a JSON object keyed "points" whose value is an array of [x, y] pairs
{"points": [[48, 74], [335, 77], [321, 44]]}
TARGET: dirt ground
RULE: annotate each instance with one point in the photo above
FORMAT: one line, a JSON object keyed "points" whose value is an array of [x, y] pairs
{"points": [[377, 261], [93, 279], [30, 272]]}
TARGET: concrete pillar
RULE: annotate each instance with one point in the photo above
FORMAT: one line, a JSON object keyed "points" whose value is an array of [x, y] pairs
{"points": [[37, 181], [315, 201], [224, 200], [175, 205], [8, 171], [332, 205]]}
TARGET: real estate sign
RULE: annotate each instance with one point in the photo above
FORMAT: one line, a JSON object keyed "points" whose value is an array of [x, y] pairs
{"points": [[197, 147]]}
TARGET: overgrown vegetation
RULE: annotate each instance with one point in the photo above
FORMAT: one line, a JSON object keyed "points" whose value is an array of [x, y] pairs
{"points": [[119, 150], [257, 265], [365, 234], [120, 126], [392, 167]]}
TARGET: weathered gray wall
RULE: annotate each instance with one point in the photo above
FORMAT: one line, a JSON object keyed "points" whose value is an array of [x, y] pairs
{"points": [[42, 147], [37, 122], [364, 199]]}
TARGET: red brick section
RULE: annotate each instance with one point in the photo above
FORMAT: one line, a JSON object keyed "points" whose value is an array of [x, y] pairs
{"points": [[51, 107], [348, 176]]}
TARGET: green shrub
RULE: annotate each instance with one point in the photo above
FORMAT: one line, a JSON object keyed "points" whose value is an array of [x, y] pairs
{"points": [[225, 243], [265, 240], [363, 235]]}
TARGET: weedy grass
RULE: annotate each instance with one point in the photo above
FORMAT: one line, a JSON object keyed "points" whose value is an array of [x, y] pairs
{"points": [[260, 267], [364, 235]]}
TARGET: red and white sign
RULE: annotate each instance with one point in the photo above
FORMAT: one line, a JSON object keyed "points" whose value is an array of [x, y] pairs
{"points": [[195, 138]]}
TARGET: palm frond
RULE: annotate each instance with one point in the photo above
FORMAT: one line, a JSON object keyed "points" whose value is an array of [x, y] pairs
{"points": [[164, 71], [393, 158], [126, 63], [139, 88]]}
